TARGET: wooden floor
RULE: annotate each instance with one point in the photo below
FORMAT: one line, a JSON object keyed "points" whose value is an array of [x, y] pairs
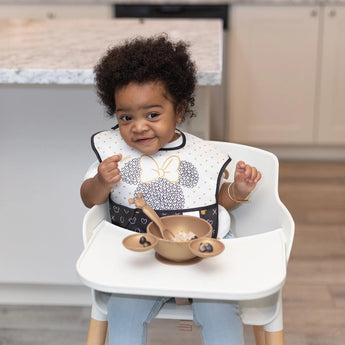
{"points": [[314, 294]]}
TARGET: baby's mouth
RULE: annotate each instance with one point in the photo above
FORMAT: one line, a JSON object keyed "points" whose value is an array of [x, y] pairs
{"points": [[143, 140]]}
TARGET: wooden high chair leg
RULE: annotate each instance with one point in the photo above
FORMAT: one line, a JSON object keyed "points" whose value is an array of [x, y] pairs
{"points": [[259, 334], [274, 338], [97, 332]]}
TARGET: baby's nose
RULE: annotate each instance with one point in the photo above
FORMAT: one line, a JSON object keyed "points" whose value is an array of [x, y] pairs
{"points": [[140, 126]]}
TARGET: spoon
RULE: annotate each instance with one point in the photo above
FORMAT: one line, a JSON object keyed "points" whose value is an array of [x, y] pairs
{"points": [[151, 213]]}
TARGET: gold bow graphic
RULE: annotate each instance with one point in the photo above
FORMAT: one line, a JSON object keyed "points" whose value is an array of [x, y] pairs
{"points": [[151, 171]]}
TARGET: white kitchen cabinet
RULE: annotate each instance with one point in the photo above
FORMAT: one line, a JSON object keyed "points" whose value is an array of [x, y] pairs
{"points": [[331, 116], [42, 11], [286, 79], [45, 152]]}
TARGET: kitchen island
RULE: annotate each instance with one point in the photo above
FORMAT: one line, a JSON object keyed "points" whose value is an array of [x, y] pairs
{"points": [[49, 110], [64, 52]]}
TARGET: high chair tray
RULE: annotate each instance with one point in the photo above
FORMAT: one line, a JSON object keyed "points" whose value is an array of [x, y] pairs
{"points": [[249, 267]]}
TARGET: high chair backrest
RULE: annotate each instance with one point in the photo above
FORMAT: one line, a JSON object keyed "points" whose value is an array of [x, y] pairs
{"points": [[265, 211]]}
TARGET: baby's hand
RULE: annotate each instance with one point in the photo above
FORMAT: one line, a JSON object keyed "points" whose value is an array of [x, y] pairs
{"points": [[245, 179], [108, 171]]}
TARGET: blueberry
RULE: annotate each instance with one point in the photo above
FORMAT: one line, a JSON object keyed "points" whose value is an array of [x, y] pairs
{"points": [[142, 240], [209, 247], [202, 247], [195, 237]]}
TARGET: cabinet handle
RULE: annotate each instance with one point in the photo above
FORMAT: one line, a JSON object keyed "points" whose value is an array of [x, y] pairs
{"points": [[332, 13], [313, 13]]}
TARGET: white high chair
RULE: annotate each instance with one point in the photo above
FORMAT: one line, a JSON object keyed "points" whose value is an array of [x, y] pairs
{"points": [[264, 213]]}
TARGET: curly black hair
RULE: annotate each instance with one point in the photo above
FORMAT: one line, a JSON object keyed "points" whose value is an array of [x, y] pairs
{"points": [[144, 60]]}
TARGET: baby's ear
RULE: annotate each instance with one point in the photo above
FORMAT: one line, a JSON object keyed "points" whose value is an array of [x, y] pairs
{"points": [[180, 111]]}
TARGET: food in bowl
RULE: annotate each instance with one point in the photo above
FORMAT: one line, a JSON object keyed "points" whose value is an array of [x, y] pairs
{"points": [[144, 242], [140, 242], [184, 236], [205, 247], [177, 250]]}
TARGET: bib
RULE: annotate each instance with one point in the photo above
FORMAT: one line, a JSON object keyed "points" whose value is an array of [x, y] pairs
{"points": [[181, 178]]}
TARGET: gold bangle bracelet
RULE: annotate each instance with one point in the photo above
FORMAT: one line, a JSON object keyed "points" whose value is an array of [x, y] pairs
{"points": [[234, 199]]}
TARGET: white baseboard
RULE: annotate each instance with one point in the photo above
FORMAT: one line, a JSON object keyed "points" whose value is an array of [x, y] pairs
{"points": [[39, 294]]}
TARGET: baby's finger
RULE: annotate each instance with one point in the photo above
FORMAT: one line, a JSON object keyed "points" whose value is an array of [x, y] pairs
{"points": [[112, 159], [118, 157], [112, 162], [115, 178], [240, 165], [257, 177], [250, 173]]}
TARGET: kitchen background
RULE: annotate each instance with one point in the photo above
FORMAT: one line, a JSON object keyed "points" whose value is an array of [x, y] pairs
{"points": [[283, 90]]}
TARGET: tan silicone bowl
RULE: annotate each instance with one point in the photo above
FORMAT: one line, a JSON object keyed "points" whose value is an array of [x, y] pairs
{"points": [[179, 251]]}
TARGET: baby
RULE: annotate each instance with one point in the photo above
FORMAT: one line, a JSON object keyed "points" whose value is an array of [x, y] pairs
{"points": [[148, 85]]}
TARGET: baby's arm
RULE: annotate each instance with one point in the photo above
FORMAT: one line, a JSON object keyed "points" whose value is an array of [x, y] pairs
{"points": [[95, 190], [245, 179]]}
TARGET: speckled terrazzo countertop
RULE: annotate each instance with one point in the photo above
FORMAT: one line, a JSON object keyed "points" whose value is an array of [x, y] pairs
{"points": [[65, 51]]}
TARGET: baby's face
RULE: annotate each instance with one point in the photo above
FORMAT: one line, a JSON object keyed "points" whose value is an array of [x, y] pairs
{"points": [[146, 116]]}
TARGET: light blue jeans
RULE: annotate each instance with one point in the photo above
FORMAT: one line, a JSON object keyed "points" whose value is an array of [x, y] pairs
{"points": [[129, 315]]}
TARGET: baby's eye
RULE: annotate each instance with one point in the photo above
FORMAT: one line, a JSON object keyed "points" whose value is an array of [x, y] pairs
{"points": [[125, 118], [152, 115]]}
